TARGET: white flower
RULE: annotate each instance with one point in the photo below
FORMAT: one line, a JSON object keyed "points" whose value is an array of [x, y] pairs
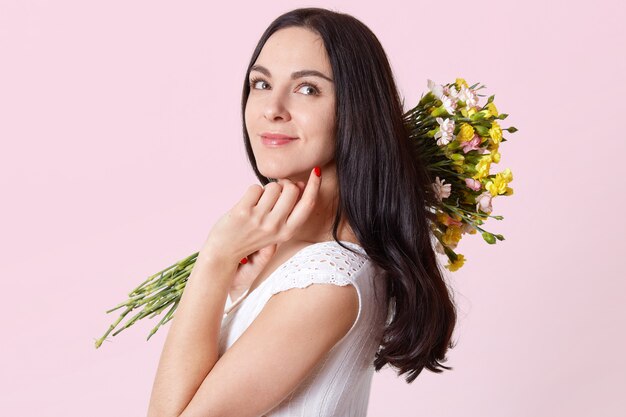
{"points": [[446, 131], [441, 190], [436, 89], [449, 103], [484, 202], [451, 91], [447, 95], [468, 96]]}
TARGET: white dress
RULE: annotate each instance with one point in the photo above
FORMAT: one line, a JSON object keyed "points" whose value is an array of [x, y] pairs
{"points": [[339, 386]]}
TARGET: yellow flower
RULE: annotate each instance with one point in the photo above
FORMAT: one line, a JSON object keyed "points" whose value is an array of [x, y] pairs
{"points": [[495, 187], [482, 167], [507, 174], [442, 217], [452, 236], [453, 266], [495, 156], [470, 112], [495, 132], [460, 82], [466, 133], [499, 185], [492, 109]]}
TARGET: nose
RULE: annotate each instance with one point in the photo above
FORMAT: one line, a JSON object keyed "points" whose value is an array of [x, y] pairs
{"points": [[275, 107]]}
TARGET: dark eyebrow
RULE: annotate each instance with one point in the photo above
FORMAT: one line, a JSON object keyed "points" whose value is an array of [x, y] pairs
{"points": [[294, 75]]}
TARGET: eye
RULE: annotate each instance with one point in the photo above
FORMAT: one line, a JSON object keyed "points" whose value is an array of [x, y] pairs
{"points": [[254, 81], [314, 90], [312, 86]]}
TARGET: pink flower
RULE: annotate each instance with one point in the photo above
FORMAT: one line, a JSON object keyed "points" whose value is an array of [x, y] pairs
{"points": [[472, 144], [454, 222], [473, 184]]}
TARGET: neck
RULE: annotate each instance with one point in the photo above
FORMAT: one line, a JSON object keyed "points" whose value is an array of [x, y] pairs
{"points": [[318, 226]]}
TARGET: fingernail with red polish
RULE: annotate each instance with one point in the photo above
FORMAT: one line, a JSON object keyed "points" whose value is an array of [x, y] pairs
{"points": [[243, 261], [318, 171]]}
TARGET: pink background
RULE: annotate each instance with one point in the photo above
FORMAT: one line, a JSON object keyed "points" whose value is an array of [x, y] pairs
{"points": [[121, 145]]}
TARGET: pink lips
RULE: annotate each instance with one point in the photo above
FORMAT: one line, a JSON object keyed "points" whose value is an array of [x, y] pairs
{"points": [[276, 139]]}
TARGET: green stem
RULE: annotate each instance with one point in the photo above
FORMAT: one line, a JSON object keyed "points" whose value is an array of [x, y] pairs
{"points": [[113, 326], [165, 319]]}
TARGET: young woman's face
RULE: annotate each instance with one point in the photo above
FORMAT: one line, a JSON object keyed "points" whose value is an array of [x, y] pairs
{"points": [[291, 94]]}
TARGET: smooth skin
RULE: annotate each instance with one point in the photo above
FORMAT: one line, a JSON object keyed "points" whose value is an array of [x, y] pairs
{"points": [[298, 327]]}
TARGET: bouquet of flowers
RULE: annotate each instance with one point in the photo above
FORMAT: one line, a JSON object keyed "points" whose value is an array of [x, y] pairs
{"points": [[457, 139]]}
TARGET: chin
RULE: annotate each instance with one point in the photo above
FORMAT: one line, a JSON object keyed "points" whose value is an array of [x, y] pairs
{"points": [[274, 173], [278, 174]]}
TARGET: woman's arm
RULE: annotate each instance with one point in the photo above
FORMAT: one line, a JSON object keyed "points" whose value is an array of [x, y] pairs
{"points": [[294, 331], [289, 337], [187, 382], [191, 346]]}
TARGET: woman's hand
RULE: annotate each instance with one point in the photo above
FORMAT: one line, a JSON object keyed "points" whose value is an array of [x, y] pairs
{"points": [[264, 216], [248, 272]]}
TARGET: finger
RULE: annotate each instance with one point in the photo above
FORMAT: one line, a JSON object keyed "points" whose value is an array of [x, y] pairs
{"points": [[271, 193], [251, 196], [285, 203], [301, 186], [306, 204]]}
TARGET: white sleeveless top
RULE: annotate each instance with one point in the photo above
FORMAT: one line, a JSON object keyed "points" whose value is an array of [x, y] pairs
{"points": [[339, 386]]}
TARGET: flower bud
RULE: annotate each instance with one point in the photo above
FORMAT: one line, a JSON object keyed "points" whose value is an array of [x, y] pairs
{"points": [[479, 115], [489, 238]]}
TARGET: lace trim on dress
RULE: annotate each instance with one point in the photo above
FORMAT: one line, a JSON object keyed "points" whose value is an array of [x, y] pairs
{"points": [[326, 262], [303, 280]]}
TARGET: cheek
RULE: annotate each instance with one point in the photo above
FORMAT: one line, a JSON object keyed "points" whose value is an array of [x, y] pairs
{"points": [[319, 121], [324, 134]]}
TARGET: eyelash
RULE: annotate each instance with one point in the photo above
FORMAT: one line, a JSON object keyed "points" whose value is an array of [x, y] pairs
{"points": [[255, 80]]}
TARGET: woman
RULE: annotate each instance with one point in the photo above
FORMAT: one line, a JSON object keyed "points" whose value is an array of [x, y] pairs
{"points": [[342, 277]]}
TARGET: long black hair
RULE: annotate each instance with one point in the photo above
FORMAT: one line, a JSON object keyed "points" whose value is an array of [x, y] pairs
{"points": [[384, 189]]}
